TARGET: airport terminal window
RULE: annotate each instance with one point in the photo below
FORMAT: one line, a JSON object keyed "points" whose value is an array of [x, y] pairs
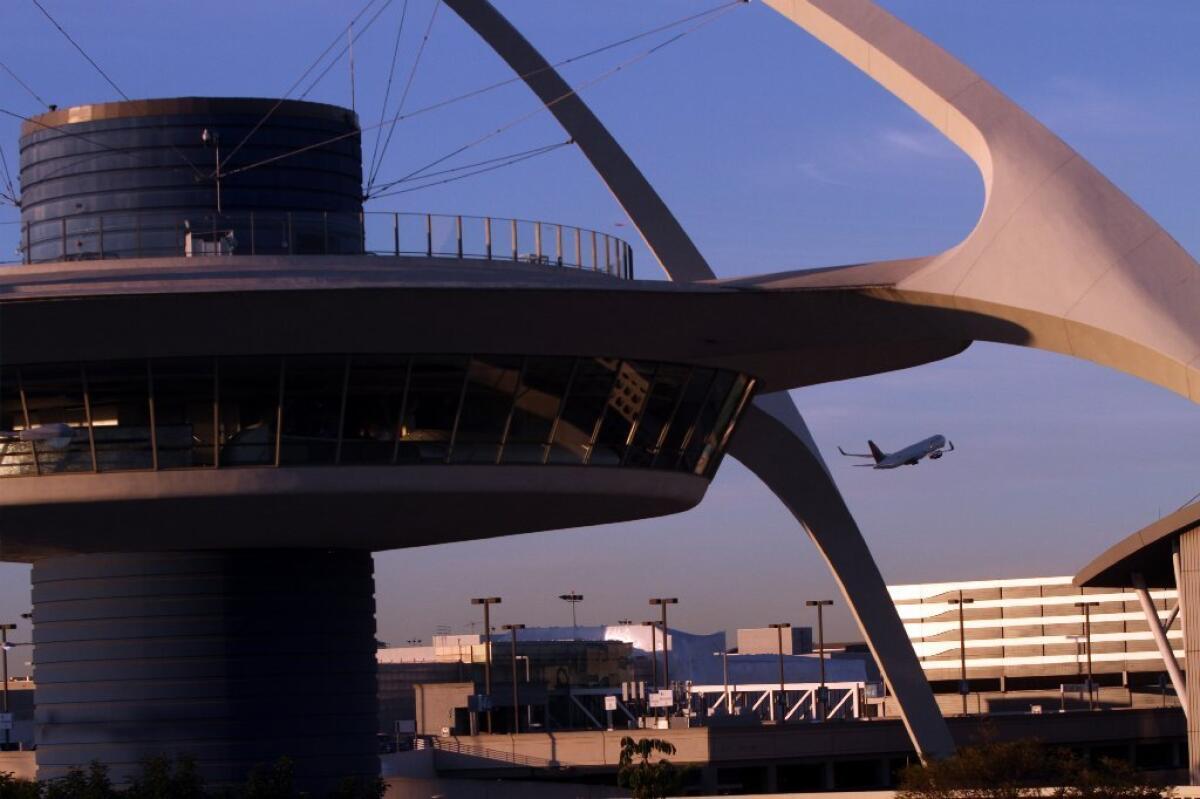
{"points": [[185, 411], [298, 410], [248, 394], [374, 396], [312, 408], [544, 384], [119, 398]]}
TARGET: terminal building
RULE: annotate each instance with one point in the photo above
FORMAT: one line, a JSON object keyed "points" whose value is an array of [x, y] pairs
{"points": [[1029, 645]]}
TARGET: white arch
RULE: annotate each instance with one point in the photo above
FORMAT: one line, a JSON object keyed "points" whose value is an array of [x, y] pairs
{"points": [[772, 441]]}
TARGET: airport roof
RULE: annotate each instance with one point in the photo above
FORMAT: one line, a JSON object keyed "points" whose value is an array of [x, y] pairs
{"points": [[1147, 551]]}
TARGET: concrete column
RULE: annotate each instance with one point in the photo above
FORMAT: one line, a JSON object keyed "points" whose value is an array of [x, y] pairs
{"points": [[1189, 597], [233, 658]]}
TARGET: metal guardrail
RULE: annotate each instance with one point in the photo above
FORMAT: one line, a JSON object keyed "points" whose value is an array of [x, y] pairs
{"points": [[454, 746], [385, 233]]}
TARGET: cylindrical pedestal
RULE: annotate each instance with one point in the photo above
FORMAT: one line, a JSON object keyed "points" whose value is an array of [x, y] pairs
{"points": [[233, 658]]}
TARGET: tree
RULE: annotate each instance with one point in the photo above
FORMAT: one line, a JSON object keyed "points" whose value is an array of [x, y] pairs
{"points": [[12, 787], [1018, 769], [648, 780]]}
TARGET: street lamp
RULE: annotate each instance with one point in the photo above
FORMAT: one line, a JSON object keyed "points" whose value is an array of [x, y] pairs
{"points": [[574, 599], [820, 605], [653, 625], [963, 687], [663, 601], [516, 715], [779, 628], [487, 602], [1087, 634], [4, 647]]}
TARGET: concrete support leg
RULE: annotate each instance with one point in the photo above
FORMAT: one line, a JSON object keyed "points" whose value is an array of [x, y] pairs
{"points": [[231, 658], [1189, 598], [774, 444], [1160, 640]]}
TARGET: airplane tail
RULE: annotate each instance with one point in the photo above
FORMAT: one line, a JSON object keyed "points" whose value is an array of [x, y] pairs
{"points": [[876, 452]]}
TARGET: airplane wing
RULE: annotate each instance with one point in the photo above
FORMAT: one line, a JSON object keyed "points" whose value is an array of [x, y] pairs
{"points": [[856, 455]]}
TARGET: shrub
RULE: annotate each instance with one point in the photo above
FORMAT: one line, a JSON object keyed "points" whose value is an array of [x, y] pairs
{"points": [[1017, 769]]}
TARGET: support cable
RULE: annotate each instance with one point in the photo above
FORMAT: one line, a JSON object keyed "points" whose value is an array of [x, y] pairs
{"points": [[354, 37], [484, 89], [12, 192], [74, 43], [387, 94], [532, 151], [507, 161], [23, 85], [412, 74], [293, 87], [570, 93]]}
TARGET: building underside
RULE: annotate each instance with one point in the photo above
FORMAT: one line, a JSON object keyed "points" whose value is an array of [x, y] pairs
{"points": [[178, 422]]}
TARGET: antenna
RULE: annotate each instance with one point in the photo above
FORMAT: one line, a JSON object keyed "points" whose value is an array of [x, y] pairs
{"points": [[350, 36]]}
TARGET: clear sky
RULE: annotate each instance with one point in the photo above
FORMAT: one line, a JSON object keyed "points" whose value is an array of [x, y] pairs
{"points": [[775, 154]]}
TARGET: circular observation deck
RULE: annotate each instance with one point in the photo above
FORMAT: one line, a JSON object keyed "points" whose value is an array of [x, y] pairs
{"points": [[371, 451]]}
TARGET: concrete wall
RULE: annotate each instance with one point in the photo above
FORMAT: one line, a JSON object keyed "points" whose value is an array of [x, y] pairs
{"points": [[436, 703]]}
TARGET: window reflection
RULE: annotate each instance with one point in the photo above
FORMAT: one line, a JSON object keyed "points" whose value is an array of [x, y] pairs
{"points": [[543, 386], [582, 410], [491, 389], [53, 394], [206, 412], [431, 407]]}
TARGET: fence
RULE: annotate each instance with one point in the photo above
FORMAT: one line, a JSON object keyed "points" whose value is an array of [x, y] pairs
{"points": [[380, 233]]}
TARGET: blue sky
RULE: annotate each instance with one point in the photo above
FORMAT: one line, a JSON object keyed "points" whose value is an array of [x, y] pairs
{"points": [[775, 154]]}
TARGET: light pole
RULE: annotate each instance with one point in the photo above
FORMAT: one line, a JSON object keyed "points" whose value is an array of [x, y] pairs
{"points": [[662, 602], [4, 647], [574, 599], [820, 605], [516, 707], [487, 602], [725, 677], [1087, 634], [963, 687], [779, 628], [653, 625]]}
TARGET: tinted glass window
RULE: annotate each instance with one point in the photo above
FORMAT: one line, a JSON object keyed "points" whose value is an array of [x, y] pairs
{"points": [[54, 396], [374, 397], [626, 402], [184, 411], [538, 402], [581, 415], [248, 403], [492, 384], [120, 401], [312, 408], [431, 408], [664, 398], [681, 426]]}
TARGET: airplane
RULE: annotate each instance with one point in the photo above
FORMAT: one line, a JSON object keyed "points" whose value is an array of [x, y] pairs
{"points": [[932, 448]]}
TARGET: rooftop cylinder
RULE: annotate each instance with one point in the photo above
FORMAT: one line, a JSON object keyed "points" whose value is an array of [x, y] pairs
{"points": [[191, 176]]}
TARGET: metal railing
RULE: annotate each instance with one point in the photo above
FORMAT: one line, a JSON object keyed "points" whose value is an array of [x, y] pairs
{"points": [[493, 756], [382, 233]]}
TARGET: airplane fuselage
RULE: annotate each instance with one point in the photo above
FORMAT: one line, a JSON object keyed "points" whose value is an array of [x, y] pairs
{"points": [[909, 456]]}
